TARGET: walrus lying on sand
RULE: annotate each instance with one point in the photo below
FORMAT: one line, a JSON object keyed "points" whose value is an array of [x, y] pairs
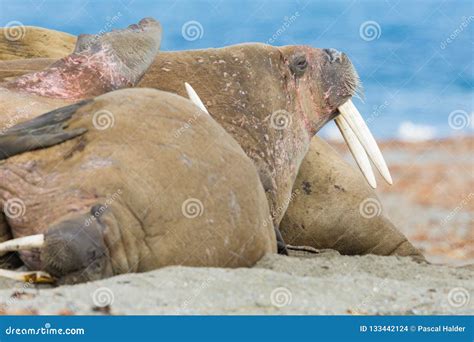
{"points": [[334, 208], [273, 100], [245, 95], [109, 201], [295, 73]]}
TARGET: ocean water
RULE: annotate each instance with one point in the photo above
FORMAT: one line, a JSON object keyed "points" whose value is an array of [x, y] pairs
{"points": [[415, 58]]}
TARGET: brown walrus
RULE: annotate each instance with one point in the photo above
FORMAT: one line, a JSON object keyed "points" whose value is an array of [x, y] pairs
{"points": [[13, 68], [272, 100], [110, 201], [333, 207], [322, 235], [18, 42], [98, 64]]}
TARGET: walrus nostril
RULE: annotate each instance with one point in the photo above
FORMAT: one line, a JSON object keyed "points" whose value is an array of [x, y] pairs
{"points": [[334, 55]]}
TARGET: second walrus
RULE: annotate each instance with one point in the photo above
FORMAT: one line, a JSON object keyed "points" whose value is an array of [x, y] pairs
{"points": [[127, 186]]}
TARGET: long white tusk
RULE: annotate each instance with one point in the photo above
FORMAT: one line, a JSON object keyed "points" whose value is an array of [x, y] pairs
{"points": [[193, 96], [356, 122], [26, 242], [357, 150], [27, 277]]}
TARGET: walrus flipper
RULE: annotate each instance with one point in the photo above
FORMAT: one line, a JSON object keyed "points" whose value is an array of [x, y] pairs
{"points": [[99, 64], [41, 132]]}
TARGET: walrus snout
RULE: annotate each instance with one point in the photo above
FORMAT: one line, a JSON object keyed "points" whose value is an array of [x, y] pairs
{"points": [[339, 76], [75, 248], [335, 55]]}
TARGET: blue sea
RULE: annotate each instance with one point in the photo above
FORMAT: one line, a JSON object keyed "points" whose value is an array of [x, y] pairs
{"points": [[415, 58]]}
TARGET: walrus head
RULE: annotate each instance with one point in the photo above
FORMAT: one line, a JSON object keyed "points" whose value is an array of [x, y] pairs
{"points": [[71, 250], [325, 81]]}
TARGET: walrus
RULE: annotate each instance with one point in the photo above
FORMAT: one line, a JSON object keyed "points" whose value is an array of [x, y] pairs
{"points": [[154, 77], [336, 209], [97, 201], [20, 42], [160, 71], [11, 69], [97, 65], [273, 100]]}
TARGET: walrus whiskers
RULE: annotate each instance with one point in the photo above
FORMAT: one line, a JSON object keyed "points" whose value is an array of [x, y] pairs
{"points": [[22, 243], [356, 123]]}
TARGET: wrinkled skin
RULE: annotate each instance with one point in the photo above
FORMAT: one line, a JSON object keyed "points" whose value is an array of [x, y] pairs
{"points": [[98, 65], [182, 71], [243, 85], [111, 202], [250, 82], [335, 208]]}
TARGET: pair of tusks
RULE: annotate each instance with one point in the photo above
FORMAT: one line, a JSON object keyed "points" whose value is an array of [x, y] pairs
{"points": [[354, 130], [361, 143], [24, 243], [351, 124]]}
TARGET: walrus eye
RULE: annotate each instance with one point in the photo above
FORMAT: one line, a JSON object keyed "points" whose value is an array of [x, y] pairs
{"points": [[298, 65]]}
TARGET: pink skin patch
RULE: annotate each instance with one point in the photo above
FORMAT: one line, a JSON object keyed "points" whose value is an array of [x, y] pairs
{"points": [[76, 76]]}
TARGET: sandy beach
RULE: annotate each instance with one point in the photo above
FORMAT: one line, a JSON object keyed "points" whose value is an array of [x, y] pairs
{"points": [[326, 284]]}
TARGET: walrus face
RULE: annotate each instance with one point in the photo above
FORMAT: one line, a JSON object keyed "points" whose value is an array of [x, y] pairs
{"points": [[324, 82], [72, 250], [323, 79]]}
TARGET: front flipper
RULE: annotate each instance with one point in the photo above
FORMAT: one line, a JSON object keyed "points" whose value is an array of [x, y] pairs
{"points": [[44, 131], [99, 64]]}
